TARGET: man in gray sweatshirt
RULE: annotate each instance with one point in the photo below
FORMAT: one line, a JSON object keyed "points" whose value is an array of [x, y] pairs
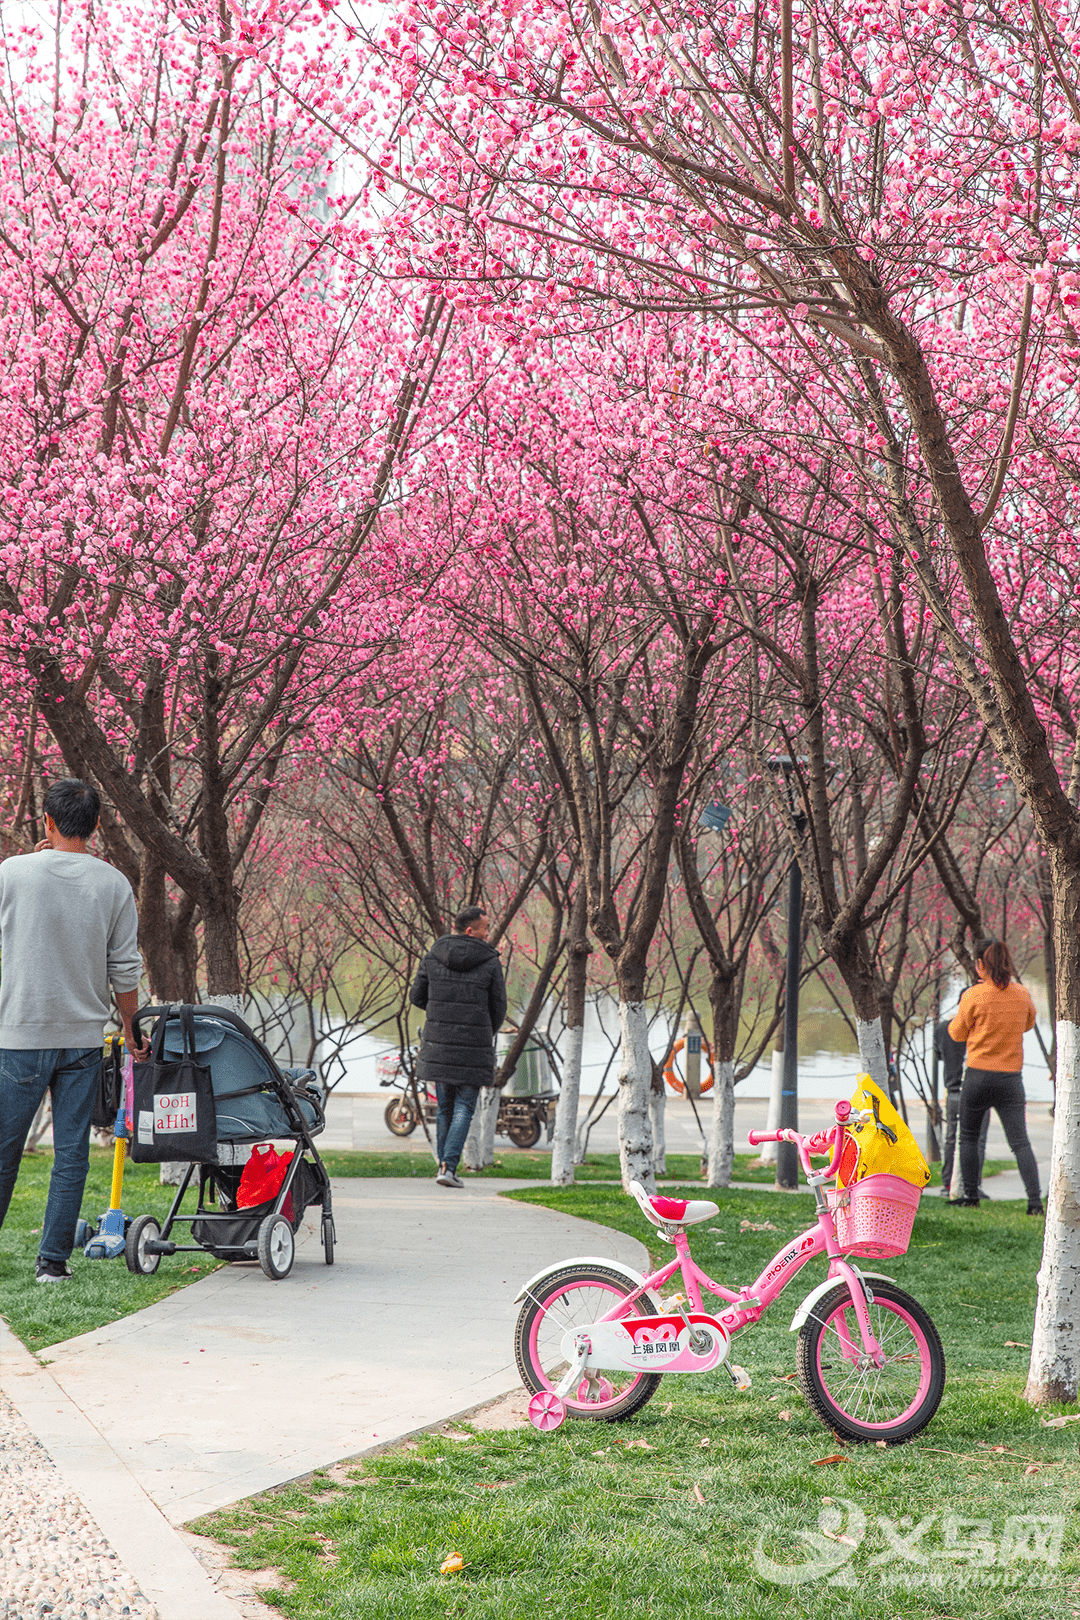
{"points": [[68, 928]]}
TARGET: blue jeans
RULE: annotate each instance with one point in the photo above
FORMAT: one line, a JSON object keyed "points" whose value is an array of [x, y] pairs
{"points": [[457, 1104], [72, 1076]]}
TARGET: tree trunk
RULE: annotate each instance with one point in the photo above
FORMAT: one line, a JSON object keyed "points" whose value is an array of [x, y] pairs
{"points": [[471, 1153], [772, 1118], [724, 1003], [657, 1107], [635, 1085], [1054, 1371], [479, 1150], [563, 1153], [722, 1128], [488, 1103], [872, 1054], [563, 1147]]}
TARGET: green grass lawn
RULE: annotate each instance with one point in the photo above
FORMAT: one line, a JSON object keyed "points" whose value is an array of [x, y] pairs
{"points": [[690, 1507], [536, 1165], [102, 1290]]}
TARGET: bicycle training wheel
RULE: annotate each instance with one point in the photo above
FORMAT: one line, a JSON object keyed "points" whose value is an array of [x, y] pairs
{"points": [[400, 1117], [573, 1298], [891, 1403]]}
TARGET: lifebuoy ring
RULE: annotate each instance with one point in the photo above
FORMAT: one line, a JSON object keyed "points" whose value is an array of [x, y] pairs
{"points": [[669, 1067]]}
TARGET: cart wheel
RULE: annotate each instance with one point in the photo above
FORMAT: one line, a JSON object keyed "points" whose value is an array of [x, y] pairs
{"points": [[276, 1247], [328, 1239], [400, 1116], [524, 1133], [142, 1231]]}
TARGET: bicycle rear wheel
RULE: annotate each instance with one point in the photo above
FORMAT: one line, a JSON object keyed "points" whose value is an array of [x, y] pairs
{"points": [[891, 1403], [575, 1297]]}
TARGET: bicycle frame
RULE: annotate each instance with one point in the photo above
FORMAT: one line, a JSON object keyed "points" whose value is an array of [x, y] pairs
{"points": [[747, 1305]]}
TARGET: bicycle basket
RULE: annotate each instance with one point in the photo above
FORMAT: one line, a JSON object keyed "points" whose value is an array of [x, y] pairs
{"points": [[874, 1216]]}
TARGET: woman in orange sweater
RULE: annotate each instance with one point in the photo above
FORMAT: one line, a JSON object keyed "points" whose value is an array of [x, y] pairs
{"points": [[992, 1018]]}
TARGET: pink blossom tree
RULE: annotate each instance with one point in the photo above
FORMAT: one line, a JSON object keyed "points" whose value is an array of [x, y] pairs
{"points": [[207, 405], [877, 202]]}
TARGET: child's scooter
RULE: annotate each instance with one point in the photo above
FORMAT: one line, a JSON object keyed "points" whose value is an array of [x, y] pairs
{"points": [[106, 1241]]}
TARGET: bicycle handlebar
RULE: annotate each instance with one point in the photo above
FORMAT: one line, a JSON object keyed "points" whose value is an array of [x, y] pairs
{"points": [[842, 1113]]}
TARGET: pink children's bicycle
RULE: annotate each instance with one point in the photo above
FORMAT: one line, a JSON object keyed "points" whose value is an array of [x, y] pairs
{"points": [[593, 1338]]}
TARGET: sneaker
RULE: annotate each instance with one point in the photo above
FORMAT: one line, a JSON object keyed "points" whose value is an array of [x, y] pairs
{"points": [[964, 1203], [1035, 1209], [49, 1271], [448, 1178]]}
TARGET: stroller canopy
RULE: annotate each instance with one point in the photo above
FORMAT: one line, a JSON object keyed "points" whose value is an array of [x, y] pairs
{"points": [[252, 1099]]}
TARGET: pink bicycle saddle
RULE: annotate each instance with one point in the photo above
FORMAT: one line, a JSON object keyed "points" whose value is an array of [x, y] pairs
{"points": [[672, 1211]]}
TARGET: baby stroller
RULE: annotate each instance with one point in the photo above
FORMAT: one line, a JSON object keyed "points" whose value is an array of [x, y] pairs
{"points": [[254, 1101]]}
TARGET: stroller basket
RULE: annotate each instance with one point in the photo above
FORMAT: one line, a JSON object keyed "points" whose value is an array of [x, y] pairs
{"points": [[253, 1102]]}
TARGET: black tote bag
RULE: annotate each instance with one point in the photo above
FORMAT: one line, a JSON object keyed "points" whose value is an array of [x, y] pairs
{"points": [[109, 1087], [173, 1114]]}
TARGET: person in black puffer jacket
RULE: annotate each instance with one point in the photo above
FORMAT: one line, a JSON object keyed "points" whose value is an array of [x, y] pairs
{"points": [[460, 984]]}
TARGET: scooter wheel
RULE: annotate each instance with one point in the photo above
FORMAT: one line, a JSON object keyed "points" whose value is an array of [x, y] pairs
{"points": [[547, 1411], [83, 1233], [142, 1231]]}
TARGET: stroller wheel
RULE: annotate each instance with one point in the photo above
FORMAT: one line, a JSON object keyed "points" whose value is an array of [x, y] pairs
{"points": [[328, 1238], [142, 1231], [276, 1247]]}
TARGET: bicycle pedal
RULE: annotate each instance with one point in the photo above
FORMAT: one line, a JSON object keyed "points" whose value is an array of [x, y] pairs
{"points": [[740, 1378]]}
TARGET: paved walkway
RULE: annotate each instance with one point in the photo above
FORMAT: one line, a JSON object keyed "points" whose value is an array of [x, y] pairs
{"points": [[237, 1383]]}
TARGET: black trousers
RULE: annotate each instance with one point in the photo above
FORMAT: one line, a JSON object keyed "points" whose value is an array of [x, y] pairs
{"points": [[984, 1089], [952, 1122]]}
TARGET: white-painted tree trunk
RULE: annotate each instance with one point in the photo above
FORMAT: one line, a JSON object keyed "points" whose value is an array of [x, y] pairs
{"points": [[722, 1126], [772, 1118], [479, 1149], [564, 1142], [488, 1101], [872, 1053], [657, 1111], [635, 1083], [1054, 1371]]}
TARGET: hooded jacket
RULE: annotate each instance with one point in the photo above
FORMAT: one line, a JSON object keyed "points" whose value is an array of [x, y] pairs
{"points": [[460, 984]]}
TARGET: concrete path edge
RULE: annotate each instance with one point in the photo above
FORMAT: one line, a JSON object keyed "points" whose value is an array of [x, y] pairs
{"points": [[164, 1566]]}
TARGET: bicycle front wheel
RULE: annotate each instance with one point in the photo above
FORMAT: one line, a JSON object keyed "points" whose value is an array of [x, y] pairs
{"points": [[894, 1402], [572, 1298], [400, 1117]]}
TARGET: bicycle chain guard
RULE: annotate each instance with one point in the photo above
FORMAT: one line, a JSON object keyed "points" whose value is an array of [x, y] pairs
{"points": [[653, 1344]]}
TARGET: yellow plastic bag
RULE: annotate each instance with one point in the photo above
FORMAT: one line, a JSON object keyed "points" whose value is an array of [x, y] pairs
{"points": [[882, 1145]]}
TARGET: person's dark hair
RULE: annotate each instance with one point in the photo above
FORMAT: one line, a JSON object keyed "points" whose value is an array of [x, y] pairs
{"points": [[75, 807], [467, 917], [994, 956]]}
